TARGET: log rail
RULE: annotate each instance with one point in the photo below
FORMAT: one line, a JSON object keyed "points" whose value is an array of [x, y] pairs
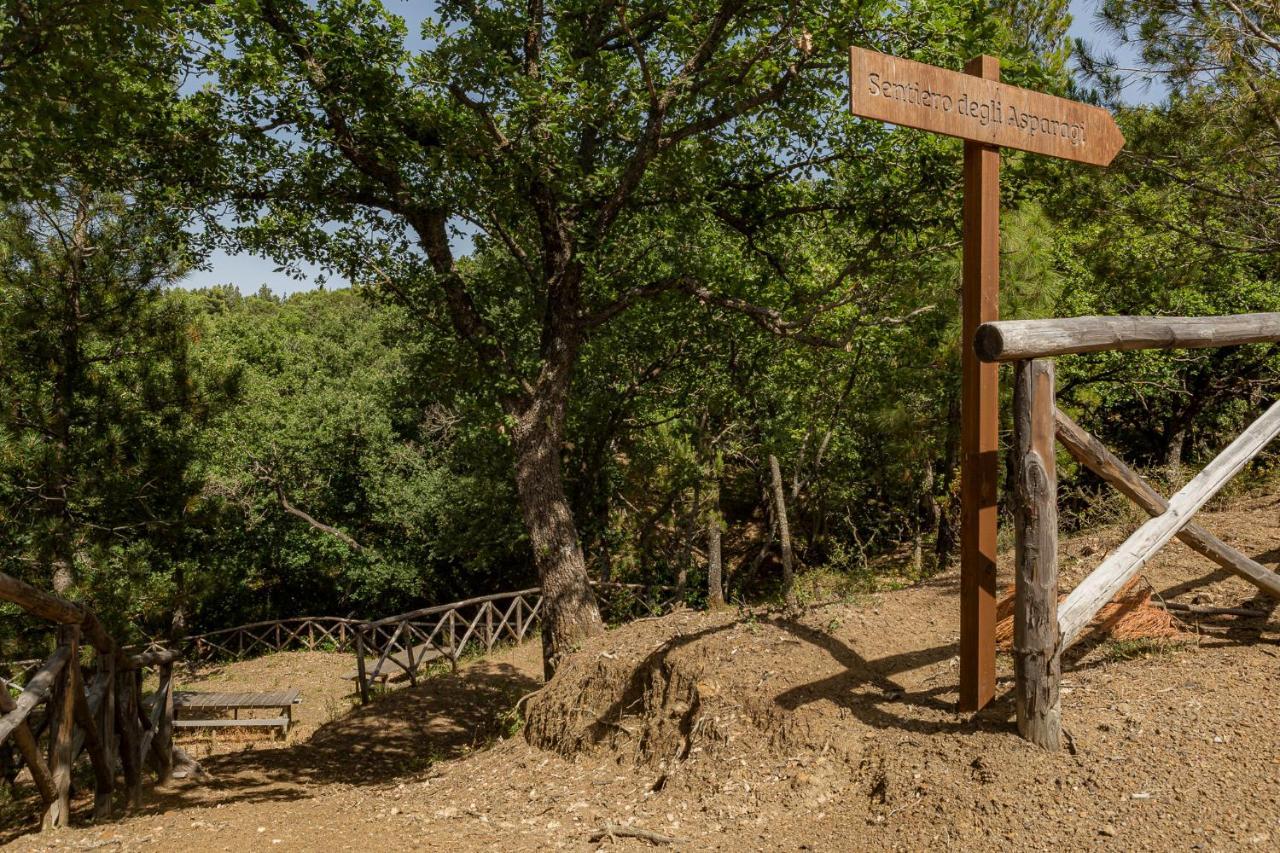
{"points": [[1043, 628], [95, 708], [406, 643]]}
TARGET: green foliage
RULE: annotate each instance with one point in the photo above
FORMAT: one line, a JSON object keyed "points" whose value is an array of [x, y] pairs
{"points": [[637, 249], [100, 405]]}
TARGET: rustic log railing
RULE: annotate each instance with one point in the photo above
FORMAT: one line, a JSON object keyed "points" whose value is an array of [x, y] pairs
{"points": [[103, 715], [333, 633], [1043, 628], [408, 642]]}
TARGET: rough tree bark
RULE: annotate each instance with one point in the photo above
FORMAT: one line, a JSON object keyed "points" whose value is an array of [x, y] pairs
{"points": [[569, 610]]}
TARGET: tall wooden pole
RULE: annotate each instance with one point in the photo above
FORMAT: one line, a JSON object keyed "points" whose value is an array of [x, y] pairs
{"points": [[979, 416]]}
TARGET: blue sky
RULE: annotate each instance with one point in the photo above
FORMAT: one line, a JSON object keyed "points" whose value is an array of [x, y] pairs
{"points": [[249, 272]]}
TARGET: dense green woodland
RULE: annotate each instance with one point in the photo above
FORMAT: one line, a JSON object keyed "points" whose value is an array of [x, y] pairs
{"points": [[608, 260]]}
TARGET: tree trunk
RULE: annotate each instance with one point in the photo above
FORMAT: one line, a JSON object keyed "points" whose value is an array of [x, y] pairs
{"points": [[715, 580], [945, 545], [784, 533], [57, 490], [569, 611]]}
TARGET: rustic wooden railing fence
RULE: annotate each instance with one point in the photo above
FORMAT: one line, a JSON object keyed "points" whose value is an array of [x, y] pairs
{"points": [[332, 633], [97, 708], [409, 641], [1043, 628]]}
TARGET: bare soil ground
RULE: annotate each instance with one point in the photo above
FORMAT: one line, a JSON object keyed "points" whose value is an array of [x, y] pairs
{"points": [[746, 730]]}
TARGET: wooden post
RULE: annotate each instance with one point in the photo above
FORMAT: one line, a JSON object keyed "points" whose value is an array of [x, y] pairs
{"points": [[363, 680], [1037, 657], [107, 712], [62, 721], [87, 720], [453, 643], [407, 628], [130, 737], [163, 745], [488, 626], [979, 416]]}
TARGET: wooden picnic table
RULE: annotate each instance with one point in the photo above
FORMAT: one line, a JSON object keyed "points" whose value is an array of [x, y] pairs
{"points": [[186, 700]]}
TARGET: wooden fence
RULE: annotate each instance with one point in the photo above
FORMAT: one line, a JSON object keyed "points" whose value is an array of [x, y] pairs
{"points": [[409, 641], [96, 708], [1043, 628]]}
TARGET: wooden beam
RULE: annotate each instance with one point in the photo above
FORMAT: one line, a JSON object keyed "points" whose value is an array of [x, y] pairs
{"points": [[1119, 568], [1037, 660], [1013, 340], [30, 751], [157, 657], [1095, 456], [979, 415], [36, 690]]}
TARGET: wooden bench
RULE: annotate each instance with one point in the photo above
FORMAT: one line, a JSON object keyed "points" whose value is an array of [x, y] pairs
{"points": [[284, 700]]}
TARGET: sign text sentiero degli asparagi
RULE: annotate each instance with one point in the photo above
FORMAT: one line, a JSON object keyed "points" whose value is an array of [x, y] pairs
{"points": [[913, 94]]}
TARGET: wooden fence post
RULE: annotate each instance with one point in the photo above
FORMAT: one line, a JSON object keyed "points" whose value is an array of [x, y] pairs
{"points": [[103, 769], [454, 651], [363, 680], [488, 626], [130, 737], [62, 721], [163, 744], [1036, 642]]}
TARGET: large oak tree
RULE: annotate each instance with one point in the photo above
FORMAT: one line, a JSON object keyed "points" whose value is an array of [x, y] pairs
{"points": [[595, 155]]}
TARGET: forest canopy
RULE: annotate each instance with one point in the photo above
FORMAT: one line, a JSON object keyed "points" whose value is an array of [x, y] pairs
{"points": [[621, 275]]}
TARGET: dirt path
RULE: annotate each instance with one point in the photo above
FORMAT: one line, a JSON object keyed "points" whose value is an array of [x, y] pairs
{"points": [[734, 731]]}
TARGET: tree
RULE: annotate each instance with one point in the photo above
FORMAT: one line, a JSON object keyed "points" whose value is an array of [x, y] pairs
{"points": [[1218, 135], [597, 155], [99, 406], [83, 87]]}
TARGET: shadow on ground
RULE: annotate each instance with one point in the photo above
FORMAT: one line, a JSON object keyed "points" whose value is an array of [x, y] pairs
{"points": [[399, 734]]}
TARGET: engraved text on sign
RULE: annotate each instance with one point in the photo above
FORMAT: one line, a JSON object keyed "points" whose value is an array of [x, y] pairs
{"points": [[913, 94]]}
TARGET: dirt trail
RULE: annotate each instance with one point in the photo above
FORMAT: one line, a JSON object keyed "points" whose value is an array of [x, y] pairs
{"points": [[730, 731]]}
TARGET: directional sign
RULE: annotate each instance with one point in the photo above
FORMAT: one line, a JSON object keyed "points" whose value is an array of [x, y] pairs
{"points": [[913, 94], [988, 116]]}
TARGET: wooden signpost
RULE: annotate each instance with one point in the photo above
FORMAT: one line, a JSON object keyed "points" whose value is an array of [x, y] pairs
{"points": [[988, 115]]}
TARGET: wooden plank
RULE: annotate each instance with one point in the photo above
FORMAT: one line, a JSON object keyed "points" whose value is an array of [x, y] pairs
{"points": [[979, 415], [1018, 339], [184, 699], [239, 723], [1037, 663], [985, 111], [1119, 568], [1095, 456], [62, 711]]}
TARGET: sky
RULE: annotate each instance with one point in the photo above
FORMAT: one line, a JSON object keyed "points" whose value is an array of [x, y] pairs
{"points": [[249, 272]]}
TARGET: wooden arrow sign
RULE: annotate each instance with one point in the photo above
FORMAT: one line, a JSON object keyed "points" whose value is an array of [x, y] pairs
{"points": [[988, 116], [913, 94]]}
